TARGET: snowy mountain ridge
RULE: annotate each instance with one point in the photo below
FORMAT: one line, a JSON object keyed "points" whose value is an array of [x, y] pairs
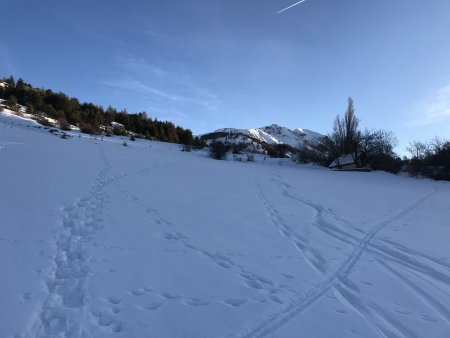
{"points": [[272, 135]]}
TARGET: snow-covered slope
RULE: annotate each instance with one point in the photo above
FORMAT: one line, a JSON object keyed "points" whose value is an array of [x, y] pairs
{"points": [[102, 240], [272, 135]]}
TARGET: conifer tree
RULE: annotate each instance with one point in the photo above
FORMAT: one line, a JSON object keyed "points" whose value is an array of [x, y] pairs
{"points": [[11, 103]]}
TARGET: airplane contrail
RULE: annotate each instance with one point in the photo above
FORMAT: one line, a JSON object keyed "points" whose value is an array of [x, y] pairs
{"points": [[285, 9]]}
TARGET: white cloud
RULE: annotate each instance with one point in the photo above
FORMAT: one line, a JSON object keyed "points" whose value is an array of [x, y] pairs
{"points": [[139, 66], [177, 85], [435, 109], [138, 86]]}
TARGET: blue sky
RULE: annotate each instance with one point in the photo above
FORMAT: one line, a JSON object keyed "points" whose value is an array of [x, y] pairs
{"points": [[208, 64]]}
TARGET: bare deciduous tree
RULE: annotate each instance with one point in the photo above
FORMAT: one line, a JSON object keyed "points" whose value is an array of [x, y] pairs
{"points": [[418, 150]]}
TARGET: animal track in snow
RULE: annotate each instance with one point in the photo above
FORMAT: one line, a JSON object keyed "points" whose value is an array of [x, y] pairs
{"points": [[114, 300], [196, 302], [105, 320], [153, 305], [235, 302], [170, 296], [222, 260], [138, 292]]}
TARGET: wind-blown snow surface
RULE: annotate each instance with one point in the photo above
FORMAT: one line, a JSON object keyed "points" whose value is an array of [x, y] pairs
{"points": [[101, 240]]}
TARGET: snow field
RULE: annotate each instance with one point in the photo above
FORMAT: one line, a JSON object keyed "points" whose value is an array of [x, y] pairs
{"points": [[101, 240]]}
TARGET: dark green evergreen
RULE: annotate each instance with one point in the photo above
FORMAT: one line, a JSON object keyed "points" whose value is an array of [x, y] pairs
{"points": [[91, 118]]}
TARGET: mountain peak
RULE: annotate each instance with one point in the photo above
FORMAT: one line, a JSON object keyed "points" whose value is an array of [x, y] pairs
{"points": [[272, 134]]}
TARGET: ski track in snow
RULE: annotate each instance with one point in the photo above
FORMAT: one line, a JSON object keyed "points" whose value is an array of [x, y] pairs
{"points": [[434, 271], [421, 293], [377, 318], [313, 258], [64, 311], [402, 256], [336, 280]]}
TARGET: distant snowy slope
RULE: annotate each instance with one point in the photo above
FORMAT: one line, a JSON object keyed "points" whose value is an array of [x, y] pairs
{"points": [[308, 135], [294, 137], [272, 135]]}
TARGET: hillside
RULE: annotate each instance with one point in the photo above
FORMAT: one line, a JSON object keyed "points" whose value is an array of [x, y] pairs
{"points": [[102, 240], [69, 113]]}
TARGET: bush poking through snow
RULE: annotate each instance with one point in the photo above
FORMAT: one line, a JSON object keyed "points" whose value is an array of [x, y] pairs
{"points": [[43, 121], [125, 144], [119, 131], [218, 150], [88, 128], [237, 158], [63, 124], [186, 147]]}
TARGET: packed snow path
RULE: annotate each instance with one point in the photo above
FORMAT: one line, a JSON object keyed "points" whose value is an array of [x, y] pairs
{"points": [[101, 240]]}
